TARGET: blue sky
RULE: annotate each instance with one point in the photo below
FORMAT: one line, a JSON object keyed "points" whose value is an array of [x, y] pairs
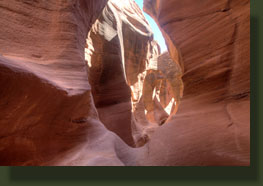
{"points": [[156, 31]]}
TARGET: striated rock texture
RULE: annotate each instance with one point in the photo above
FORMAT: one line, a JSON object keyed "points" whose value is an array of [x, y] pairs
{"points": [[49, 111], [212, 125], [133, 90], [47, 114], [81, 80]]}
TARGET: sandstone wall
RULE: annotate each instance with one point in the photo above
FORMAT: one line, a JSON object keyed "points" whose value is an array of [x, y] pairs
{"points": [[130, 86], [82, 79], [47, 114], [212, 125]]}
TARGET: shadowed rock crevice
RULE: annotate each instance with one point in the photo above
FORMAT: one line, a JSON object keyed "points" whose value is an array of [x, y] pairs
{"points": [[134, 90], [82, 79]]}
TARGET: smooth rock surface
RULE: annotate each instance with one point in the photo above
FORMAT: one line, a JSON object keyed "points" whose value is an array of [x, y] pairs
{"points": [[212, 125], [47, 112], [82, 81], [124, 67]]}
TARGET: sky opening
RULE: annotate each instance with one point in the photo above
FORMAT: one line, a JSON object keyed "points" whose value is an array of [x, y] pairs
{"points": [[156, 31]]}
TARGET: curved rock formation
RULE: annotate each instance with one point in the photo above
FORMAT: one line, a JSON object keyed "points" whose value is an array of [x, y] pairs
{"points": [[123, 67], [47, 113], [212, 126], [48, 116], [73, 71]]}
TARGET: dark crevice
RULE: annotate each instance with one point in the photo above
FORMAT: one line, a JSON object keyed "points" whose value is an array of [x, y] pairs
{"points": [[79, 120]]}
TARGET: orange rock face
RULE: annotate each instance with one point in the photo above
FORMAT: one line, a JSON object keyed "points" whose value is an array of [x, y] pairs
{"points": [[128, 81], [83, 83], [212, 126], [47, 112]]}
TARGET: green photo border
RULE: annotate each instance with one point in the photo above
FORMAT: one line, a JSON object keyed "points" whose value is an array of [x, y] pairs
{"points": [[252, 175]]}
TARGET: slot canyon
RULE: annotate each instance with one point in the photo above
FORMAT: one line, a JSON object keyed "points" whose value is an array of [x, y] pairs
{"points": [[84, 83]]}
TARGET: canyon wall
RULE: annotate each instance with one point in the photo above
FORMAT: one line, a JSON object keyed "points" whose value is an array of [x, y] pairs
{"points": [[212, 125], [47, 113], [71, 72], [83, 82], [130, 85]]}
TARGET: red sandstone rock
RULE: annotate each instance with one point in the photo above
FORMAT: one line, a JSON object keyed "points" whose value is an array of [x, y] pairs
{"points": [[51, 115], [122, 58], [212, 126], [47, 113]]}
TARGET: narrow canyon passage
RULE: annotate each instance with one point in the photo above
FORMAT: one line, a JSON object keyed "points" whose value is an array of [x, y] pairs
{"points": [[84, 83], [134, 89]]}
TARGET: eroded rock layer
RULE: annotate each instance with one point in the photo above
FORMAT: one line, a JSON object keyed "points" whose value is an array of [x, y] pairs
{"points": [[122, 58], [73, 71], [47, 115], [212, 125]]}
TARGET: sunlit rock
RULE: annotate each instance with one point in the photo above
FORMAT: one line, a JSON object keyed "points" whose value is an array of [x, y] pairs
{"points": [[83, 80], [120, 46]]}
